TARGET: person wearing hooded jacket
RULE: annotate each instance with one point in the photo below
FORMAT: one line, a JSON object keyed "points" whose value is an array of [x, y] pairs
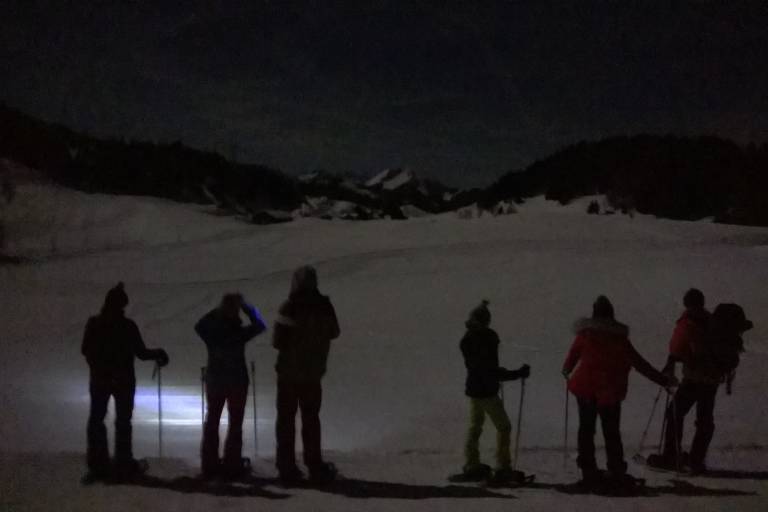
{"points": [[226, 380], [708, 346], [480, 348], [305, 326], [110, 344], [597, 368]]}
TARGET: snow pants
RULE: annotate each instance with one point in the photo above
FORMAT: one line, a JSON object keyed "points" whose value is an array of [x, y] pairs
{"points": [[703, 396], [235, 396], [294, 395], [494, 409], [610, 420], [101, 389]]}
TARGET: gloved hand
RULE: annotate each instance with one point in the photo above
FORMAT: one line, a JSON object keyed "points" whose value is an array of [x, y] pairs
{"points": [[161, 357], [254, 314], [524, 371], [566, 373], [672, 383]]}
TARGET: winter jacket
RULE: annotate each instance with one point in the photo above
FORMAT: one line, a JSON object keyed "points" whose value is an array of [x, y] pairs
{"points": [[225, 339], [605, 356], [305, 326], [480, 348], [690, 328], [110, 344], [714, 352]]}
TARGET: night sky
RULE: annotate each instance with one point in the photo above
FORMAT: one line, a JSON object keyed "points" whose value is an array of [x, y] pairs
{"points": [[457, 90]]}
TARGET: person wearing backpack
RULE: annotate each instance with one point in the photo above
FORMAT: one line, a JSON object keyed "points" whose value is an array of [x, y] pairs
{"points": [[480, 348], [709, 359], [597, 368]]}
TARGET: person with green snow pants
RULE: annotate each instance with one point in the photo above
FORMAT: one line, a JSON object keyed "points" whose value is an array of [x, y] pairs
{"points": [[480, 348]]}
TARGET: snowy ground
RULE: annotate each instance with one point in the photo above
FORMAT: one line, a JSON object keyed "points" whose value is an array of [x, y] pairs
{"points": [[394, 412]]}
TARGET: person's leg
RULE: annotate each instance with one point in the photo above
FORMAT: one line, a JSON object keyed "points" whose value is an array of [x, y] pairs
{"points": [[471, 445], [285, 426], [679, 406], [500, 419], [237, 397], [705, 425], [310, 401], [610, 420], [124, 395], [209, 448], [586, 438], [98, 451]]}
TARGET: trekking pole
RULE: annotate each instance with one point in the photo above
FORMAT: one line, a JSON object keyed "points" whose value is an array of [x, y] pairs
{"points": [[643, 437], [202, 397], [663, 433], [565, 432], [255, 412], [677, 436], [519, 421], [159, 372]]}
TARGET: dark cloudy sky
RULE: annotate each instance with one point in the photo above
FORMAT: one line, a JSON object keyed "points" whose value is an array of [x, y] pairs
{"points": [[458, 90]]}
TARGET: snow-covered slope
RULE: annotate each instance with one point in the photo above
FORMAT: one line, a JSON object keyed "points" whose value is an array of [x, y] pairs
{"points": [[394, 410]]}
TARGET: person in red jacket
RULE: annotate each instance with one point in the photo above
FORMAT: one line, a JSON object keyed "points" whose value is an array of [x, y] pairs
{"points": [[597, 369]]}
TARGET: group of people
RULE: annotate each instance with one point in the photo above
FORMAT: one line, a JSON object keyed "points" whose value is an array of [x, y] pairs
{"points": [[304, 328], [596, 368]]}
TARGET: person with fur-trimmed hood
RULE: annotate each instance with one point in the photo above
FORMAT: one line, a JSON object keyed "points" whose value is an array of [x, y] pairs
{"points": [[597, 368], [305, 326], [480, 348], [110, 344]]}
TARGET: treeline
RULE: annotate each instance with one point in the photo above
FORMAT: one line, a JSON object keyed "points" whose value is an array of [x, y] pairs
{"points": [[673, 177], [172, 171]]}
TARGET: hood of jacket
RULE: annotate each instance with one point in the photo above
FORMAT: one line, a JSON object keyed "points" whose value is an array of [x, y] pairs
{"points": [[601, 325]]}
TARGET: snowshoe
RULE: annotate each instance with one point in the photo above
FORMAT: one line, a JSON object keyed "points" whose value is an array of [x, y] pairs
{"points": [[125, 471], [478, 473], [662, 463], [292, 477], [323, 473], [621, 485], [236, 472], [509, 477], [95, 475]]}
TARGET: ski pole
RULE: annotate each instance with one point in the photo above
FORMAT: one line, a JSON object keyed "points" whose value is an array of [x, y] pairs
{"points": [[663, 433], [565, 432], [255, 412], [202, 397], [677, 435], [519, 421], [641, 445], [159, 372]]}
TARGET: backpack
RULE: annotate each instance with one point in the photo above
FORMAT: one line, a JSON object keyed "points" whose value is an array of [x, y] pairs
{"points": [[718, 352]]}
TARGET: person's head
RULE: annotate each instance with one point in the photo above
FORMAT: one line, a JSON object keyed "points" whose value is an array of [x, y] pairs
{"points": [[230, 305], [694, 299], [304, 280], [480, 316], [602, 309], [116, 300]]}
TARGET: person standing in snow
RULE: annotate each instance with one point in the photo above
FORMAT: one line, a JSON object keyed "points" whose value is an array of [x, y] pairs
{"points": [[597, 368], [225, 337], [709, 348], [480, 348], [303, 332], [110, 344]]}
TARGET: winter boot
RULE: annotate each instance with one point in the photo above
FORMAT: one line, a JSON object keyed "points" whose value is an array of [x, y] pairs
{"points": [[477, 473], [130, 469], [236, 471], [662, 462], [322, 473], [507, 476], [291, 476]]}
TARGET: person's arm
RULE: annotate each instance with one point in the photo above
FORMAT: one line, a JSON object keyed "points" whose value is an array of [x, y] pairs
{"points": [[645, 369], [334, 331], [257, 326], [574, 354], [141, 351], [285, 325], [89, 340], [521, 373]]}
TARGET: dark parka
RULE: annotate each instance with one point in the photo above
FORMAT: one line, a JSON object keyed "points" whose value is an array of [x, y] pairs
{"points": [[480, 348]]}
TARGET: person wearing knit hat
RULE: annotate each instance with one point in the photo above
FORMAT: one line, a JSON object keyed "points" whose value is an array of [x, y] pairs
{"points": [[480, 348], [110, 344], [597, 368]]}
